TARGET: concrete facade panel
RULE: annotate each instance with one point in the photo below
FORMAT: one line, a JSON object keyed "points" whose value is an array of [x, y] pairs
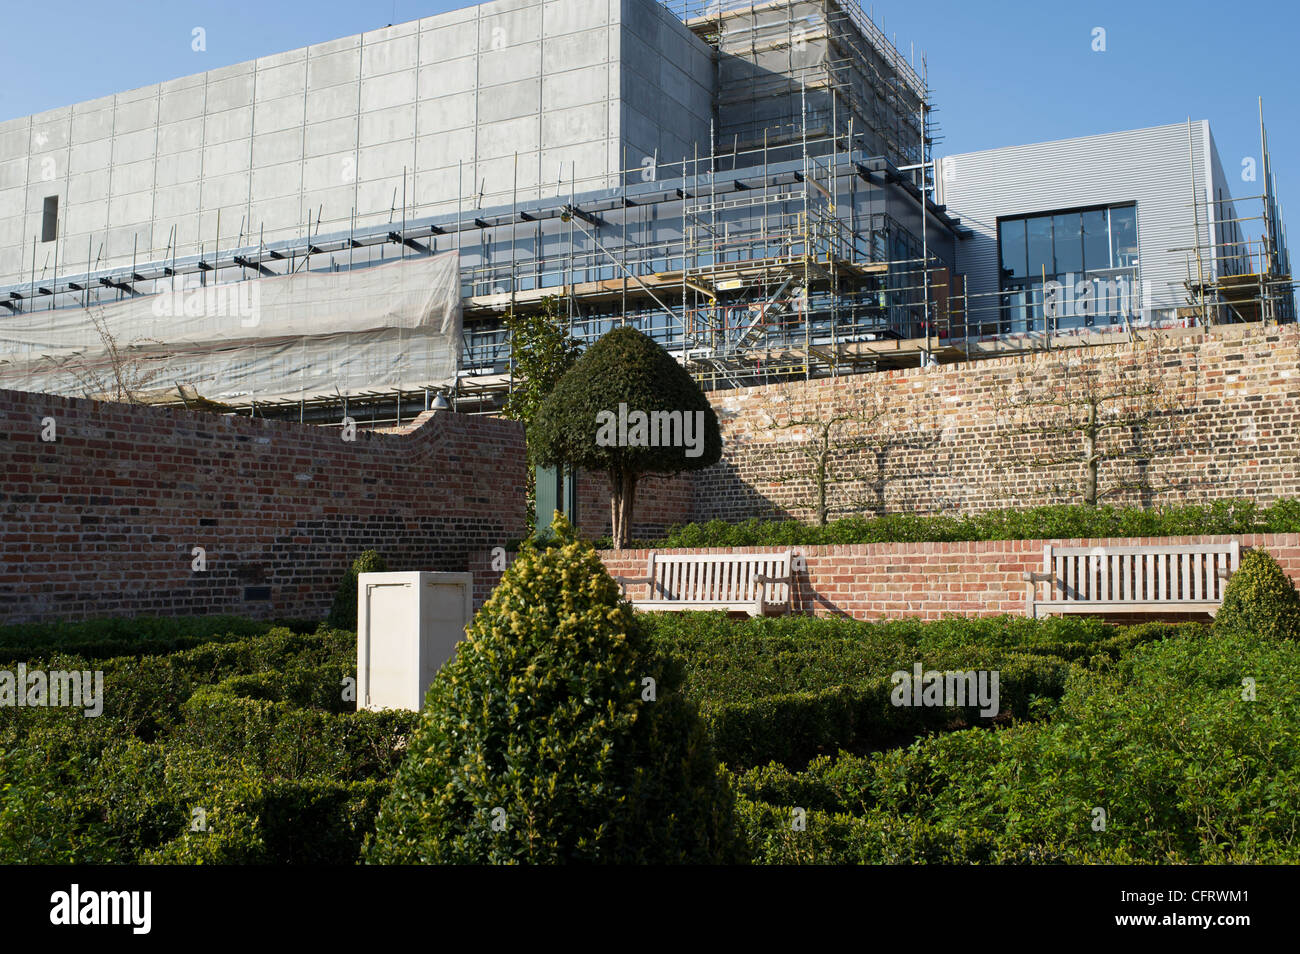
{"points": [[447, 78], [179, 137], [392, 89], [88, 125], [270, 182], [273, 148], [275, 115], [509, 101], [441, 150], [575, 88], [334, 69], [181, 104], [178, 168]]}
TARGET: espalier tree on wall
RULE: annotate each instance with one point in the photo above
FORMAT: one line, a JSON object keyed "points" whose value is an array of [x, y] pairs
{"points": [[614, 411], [1097, 427]]}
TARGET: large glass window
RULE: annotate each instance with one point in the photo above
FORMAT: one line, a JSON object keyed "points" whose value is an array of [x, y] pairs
{"points": [[1013, 250], [1096, 240], [1096, 246], [1039, 231], [1124, 236], [1067, 239]]}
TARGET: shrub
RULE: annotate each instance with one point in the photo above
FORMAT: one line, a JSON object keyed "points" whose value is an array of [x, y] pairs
{"points": [[793, 728], [280, 740], [103, 638], [1053, 522], [536, 745], [1260, 599], [343, 614], [1188, 769], [846, 839]]}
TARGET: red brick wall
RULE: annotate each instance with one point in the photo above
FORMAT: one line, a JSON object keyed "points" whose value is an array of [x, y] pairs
{"points": [[951, 448], [923, 580], [101, 522], [660, 503]]}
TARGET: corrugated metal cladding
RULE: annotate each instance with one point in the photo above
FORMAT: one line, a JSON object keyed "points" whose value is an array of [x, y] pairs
{"points": [[1147, 166]]}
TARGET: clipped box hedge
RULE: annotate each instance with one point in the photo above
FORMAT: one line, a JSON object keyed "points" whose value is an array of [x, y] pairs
{"points": [[793, 728], [1038, 523]]}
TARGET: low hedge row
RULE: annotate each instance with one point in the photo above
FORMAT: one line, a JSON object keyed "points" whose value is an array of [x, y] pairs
{"points": [[742, 661], [1187, 745], [253, 728], [105, 638], [80, 799], [793, 728], [842, 838], [143, 695], [1064, 521], [291, 739]]}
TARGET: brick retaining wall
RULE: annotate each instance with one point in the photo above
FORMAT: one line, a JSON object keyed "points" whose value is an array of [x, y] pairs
{"points": [[102, 521], [921, 580]]}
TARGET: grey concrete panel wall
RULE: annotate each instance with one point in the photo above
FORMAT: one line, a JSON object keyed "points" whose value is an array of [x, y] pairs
{"points": [[1150, 167], [666, 88], [512, 97]]}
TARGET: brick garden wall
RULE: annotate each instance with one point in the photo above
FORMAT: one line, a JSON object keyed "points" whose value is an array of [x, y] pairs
{"points": [[945, 441], [922, 580], [661, 502], [102, 521]]}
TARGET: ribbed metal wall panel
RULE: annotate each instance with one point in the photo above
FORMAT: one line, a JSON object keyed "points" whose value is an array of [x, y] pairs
{"points": [[1147, 166]]}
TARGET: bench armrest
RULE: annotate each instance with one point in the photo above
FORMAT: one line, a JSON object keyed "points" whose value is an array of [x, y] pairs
{"points": [[623, 581], [1031, 583]]}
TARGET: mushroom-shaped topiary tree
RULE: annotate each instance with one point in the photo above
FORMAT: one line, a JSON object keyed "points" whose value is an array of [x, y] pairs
{"points": [[629, 409], [557, 734]]}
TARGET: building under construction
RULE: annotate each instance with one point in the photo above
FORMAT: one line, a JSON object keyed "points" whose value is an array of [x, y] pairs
{"points": [[752, 184]]}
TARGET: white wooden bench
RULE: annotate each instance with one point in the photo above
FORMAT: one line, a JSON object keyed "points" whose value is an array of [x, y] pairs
{"points": [[1132, 579], [755, 583]]}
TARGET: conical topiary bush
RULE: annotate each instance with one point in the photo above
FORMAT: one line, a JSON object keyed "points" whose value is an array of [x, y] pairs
{"points": [[541, 741], [1260, 600]]}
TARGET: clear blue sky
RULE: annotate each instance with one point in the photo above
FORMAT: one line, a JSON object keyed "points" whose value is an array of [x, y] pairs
{"points": [[1003, 72]]}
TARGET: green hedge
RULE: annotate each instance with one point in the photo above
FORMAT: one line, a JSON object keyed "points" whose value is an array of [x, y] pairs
{"points": [[143, 695], [253, 729], [1187, 770], [1064, 521], [84, 799], [793, 728], [282, 740], [104, 638], [841, 838], [742, 660]]}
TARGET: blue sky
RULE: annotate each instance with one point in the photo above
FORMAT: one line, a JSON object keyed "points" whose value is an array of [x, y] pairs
{"points": [[1006, 72]]}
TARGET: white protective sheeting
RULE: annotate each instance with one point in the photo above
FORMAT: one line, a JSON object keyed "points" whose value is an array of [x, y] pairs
{"points": [[381, 327]]}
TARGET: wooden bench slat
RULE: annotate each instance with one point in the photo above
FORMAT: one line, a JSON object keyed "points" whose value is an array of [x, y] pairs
{"points": [[754, 583], [1137, 579]]}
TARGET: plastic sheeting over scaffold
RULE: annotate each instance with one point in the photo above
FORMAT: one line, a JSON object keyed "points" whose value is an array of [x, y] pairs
{"points": [[313, 333]]}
